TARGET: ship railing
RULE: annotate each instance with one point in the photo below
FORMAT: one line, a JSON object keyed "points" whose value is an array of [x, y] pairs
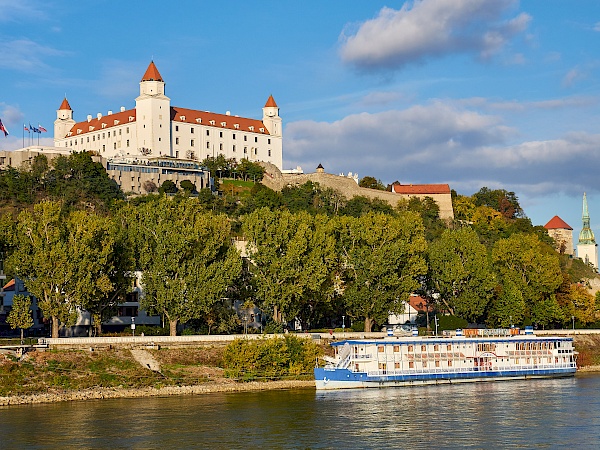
{"points": [[366, 356], [375, 373]]}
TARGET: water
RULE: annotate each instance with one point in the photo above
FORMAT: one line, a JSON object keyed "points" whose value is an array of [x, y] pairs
{"points": [[559, 413]]}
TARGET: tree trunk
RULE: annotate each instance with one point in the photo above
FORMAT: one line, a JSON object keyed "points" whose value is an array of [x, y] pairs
{"points": [[98, 326], [173, 327], [55, 326], [21, 336], [368, 324]]}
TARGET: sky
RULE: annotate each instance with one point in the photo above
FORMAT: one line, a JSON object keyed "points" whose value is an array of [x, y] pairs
{"points": [[497, 93]]}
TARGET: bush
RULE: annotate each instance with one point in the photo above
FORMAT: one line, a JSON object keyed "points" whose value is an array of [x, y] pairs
{"points": [[151, 331], [449, 323], [270, 357]]}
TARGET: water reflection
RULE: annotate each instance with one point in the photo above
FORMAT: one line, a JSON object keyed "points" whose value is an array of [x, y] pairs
{"points": [[519, 414]]}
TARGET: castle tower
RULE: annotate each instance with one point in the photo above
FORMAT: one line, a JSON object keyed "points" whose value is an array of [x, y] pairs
{"points": [[64, 120], [587, 249], [153, 115], [272, 123], [562, 233]]}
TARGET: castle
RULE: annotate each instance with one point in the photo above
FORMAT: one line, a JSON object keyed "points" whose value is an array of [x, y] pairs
{"points": [[154, 128]]}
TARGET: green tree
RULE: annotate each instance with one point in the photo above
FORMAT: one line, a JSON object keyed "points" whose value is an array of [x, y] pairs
{"points": [[62, 259], [188, 186], [186, 259], [292, 256], [168, 187], [506, 203], [382, 260], [460, 272], [371, 183], [530, 274], [20, 314]]}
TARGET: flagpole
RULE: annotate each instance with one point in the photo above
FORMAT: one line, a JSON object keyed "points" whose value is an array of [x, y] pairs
{"points": [[23, 131]]}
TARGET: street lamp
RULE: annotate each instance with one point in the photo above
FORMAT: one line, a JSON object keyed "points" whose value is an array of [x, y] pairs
{"points": [[343, 324], [573, 319], [436, 323], [132, 326]]}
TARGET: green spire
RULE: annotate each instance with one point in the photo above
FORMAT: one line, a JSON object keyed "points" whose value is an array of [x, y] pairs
{"points": [[586, 236]]}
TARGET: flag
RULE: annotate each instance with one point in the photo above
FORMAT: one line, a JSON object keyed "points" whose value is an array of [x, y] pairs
{"points": [[25, 128], [3, 128], [33, 129], [41, 128]]}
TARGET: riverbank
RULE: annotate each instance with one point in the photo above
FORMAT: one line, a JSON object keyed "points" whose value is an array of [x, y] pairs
{"points": [[107, 393], [70, 375]]}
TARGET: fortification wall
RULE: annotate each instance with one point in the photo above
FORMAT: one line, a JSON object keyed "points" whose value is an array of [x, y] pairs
{"points": [[275, 180]]}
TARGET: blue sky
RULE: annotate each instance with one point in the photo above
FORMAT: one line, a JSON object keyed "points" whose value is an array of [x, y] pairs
{"points": [[497, 93]]}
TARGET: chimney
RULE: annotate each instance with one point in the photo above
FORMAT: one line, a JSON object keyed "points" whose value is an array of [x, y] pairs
{"points": [[89, 118], [122, 108], [99, 116], [109, 113]]}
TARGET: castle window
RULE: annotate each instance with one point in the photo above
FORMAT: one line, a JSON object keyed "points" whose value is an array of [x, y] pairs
{"points": [[127, 142], [220, 134], [269, 141], [269, 152], [120, 132], [245, 150], [234, 147], [251, 127], [221, 146], [255, 138], [177, 140], [245, 138], [192, 143], [115, 146], [207, 144], [127, 130], [103, 148], [192, 130], [233, 135], [223, 124], [208, 132], [176, 127]]}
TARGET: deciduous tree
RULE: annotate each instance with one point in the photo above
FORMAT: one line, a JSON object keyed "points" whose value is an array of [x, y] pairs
{"points": [[20, 314]]}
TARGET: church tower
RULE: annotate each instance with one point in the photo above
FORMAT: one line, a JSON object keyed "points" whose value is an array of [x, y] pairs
{"points": [[153, 115], [587, 249], [64, 121]]}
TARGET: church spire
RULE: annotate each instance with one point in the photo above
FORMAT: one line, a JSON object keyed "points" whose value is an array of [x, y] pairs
{"points": [[586, 236]]}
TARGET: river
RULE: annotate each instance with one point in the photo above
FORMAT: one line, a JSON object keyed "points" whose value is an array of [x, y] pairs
{"points": [[557, 413]]}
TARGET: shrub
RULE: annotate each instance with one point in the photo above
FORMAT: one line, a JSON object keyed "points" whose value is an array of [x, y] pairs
{"points": [[270, 357]]}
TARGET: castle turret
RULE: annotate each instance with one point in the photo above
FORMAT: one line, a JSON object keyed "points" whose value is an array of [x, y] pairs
{"points": [[64, 120], [153, 114]]}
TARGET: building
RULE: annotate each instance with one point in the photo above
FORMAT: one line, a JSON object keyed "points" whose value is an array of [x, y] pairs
{"points": [[154, 128], [587, 249], [16, 287], [562, 233]]}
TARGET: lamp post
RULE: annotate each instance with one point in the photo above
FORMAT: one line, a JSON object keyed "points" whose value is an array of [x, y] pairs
{"points": [[436, 323], [343, 324], [573, 319], [132, 326]]}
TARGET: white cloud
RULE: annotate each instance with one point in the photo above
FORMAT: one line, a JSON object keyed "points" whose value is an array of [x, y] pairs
{"points": [[425, 29], [25, 55], [21, 10], [573, 76], [597, 26], [441, 142]]}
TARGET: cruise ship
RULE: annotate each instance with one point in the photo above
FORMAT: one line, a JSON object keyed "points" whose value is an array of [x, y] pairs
{"points": [[466, 356]]}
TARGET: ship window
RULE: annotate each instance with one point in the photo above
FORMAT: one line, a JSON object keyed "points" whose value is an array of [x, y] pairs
{"points": [[449, 347], [424, 364], [411, 365], [437, 364], [356, 367], [436, 348], [396, 348], [449, 363], [380, 348], [410, 348], [396, 365], [423, 348]]}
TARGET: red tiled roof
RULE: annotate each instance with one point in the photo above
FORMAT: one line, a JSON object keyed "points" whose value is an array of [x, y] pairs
{"points": [[10, 286], [152, 73], [557, 223], [421, 188], [96, 124], [271, 102], [65, 105], [203, 117], [177, 115], [418, 303]]}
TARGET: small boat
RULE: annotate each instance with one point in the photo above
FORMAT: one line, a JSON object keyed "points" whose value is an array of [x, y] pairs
{"points": [[482, 355]]}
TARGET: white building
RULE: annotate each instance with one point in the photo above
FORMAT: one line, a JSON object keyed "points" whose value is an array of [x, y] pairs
{"points": [[155, 128]]}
